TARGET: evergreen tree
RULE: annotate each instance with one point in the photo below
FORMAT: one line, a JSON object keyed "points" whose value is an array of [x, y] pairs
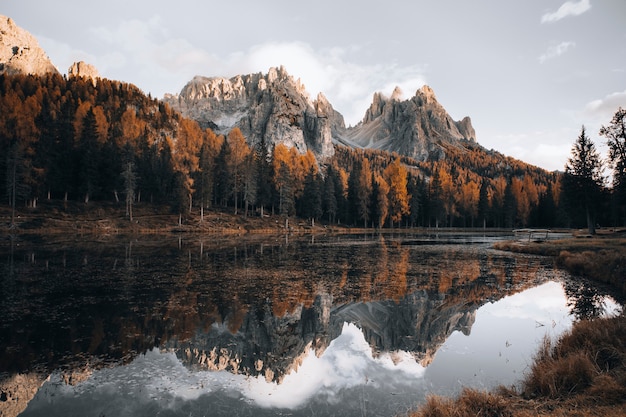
{"points": [[414, 190], [311, 200], [359, 190], [263, 175], [483, 202], [509, 206], [329, 196], [582, 181], [223, 180], [615, 133], [89, 161], [250, 181], [380, 201], [129, 177], [435, 199]]}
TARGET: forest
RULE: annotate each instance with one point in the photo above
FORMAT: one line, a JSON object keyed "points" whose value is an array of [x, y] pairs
{"points": [[83, 140]]}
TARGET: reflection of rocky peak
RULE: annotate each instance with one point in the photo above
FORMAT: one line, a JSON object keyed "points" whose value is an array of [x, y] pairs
{"points": [[20, 52], [272, 107], [417, 324], [274, 346], [413, 127], [264, 345]]}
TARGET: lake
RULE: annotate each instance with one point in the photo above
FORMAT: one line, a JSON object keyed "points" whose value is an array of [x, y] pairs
{"points": [[262, 325]]}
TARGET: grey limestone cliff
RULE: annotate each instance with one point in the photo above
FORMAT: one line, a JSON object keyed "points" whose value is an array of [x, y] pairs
{"points": [[270, 107], [416, 127]]}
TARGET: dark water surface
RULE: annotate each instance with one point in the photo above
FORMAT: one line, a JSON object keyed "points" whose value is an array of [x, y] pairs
{"points": [[348, 325]]}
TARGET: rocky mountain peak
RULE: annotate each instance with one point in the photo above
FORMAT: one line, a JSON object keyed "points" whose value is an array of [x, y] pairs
{"points": [[20, 52], [427, 93], [416, 127], [397, 94], [82, 69], [272, 107]]}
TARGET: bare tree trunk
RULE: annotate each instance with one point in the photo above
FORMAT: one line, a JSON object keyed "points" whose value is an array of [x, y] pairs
{"points": [[590, 223]]}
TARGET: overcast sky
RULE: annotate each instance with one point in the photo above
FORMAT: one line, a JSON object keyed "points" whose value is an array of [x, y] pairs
{"points": [[529, 73]]}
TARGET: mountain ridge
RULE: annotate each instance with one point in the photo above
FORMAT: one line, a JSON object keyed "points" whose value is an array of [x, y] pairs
{"points": [[276, 108]]}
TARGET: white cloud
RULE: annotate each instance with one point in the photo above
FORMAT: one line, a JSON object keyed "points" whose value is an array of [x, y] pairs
{"points": [[347, 363], [556, 50], [144, 53], [569, 8], [604, 109]]}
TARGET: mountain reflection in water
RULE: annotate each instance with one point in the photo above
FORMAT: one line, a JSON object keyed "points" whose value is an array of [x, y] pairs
{"points": [[324, 323]]}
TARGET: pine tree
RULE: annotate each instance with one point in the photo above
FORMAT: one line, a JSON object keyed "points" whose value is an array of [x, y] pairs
{"points": [[264, 175], [89, 161], [582, 181], [329, 196], [483, 202], [615, 133]]}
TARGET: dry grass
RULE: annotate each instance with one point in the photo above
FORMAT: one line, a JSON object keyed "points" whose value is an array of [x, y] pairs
{"points": [[470, 403], [583, 374], [601, 258]]}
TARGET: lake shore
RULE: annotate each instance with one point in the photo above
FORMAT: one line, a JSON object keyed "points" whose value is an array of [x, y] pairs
{"points": [[601, 258], [103, 219], [584, 372]]}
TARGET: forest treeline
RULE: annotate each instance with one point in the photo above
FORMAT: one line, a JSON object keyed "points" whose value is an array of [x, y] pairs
{"points": [[81, 140]]}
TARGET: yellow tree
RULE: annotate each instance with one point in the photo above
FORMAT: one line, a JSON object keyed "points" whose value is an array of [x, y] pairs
{"points": [[186, 159], [469, 195], [396, 176], [102, 123], [448, 192], [497, 198], [132, 127], [282, 163], [239, 152]]}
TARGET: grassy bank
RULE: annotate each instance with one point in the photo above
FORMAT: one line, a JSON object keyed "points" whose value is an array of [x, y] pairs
{"points": [[601, 258], [582, 374]]}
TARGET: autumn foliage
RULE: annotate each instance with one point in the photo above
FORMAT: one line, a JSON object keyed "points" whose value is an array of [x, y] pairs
{"points": [[68, 139]]}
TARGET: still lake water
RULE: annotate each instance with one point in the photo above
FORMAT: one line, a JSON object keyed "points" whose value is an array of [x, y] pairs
{"points": [[325, 325]]}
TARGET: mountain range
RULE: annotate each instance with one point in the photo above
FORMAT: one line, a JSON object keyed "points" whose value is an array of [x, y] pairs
{"points": [[275, 108]]}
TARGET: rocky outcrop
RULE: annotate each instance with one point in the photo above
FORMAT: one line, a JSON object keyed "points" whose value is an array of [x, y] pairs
{"points": [[82, 69], [20, 52], [273, 108], [416, 127]]}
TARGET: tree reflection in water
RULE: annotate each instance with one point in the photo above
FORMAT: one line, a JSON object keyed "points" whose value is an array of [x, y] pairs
{"points": [[253, 307], [584, 299]]}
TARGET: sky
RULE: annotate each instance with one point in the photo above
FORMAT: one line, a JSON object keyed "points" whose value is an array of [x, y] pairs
{"points": [[529, 73]]}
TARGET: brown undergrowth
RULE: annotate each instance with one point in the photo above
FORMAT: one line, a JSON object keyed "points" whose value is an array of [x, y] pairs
{"points": [[582, 374], [601, 258]]}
